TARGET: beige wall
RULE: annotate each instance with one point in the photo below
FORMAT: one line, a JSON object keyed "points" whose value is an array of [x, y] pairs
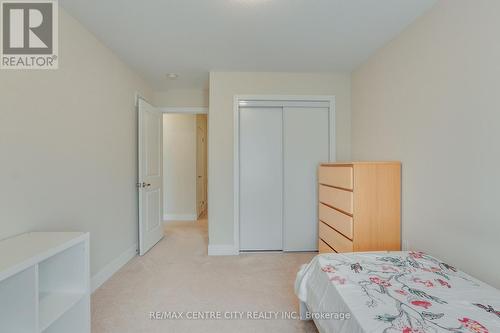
{"points": [[223, 87], [181, 98], [179, 166], [68, 146], [430, 99]]}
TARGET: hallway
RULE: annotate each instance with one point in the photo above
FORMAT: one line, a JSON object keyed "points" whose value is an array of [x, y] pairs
{"points": [[177, 275]]}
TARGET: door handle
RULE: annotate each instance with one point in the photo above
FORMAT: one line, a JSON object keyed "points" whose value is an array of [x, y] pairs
{"points": [[142, 185]]}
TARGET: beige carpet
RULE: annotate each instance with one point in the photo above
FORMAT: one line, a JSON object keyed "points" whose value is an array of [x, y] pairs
{"points": [[177, 275]]}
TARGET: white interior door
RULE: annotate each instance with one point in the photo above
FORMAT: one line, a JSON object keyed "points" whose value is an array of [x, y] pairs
{"points": [[306, 144], [150, 176], [261, 179]]}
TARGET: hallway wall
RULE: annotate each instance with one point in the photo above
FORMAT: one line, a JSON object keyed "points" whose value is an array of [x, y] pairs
{"points": [[179, 167]]}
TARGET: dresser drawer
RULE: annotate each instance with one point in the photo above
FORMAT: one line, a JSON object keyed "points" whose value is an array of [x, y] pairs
{"points": [[335, 219], [338, 242], [337, 198], [324, 248], [338, 176]]}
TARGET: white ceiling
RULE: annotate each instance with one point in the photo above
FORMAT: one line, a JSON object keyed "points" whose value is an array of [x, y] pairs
{"points": [[193, 37]]}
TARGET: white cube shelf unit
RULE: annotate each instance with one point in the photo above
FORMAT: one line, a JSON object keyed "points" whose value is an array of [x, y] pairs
{"points": [[45, 283]]}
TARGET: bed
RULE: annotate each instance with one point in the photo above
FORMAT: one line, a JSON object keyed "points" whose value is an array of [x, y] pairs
{"points": [[409, 292]]}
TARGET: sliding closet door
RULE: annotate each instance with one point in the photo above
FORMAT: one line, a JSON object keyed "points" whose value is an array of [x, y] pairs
{"points": [[306, 144], [261, 178]]}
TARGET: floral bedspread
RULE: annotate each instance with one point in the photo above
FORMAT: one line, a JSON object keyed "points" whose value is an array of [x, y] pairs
{"points": [[409, 292]]}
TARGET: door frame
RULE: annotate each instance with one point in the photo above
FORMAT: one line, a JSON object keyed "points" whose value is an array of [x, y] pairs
{"points": [[272, 100]]}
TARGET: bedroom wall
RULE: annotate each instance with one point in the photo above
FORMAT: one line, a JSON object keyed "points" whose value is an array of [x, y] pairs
{"points": [[223, 87], [68, 146], [430, 99], [181, 98], [179, 166]]}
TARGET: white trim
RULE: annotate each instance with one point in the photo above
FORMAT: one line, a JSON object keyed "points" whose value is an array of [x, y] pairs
{"points": [[222, 250], [107, 272], [179, 217], [236, 173], [236, 147], [283, 104], [184, 109], [139, 96]]}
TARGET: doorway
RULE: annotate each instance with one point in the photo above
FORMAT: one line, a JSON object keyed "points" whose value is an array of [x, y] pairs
{"points": [[172, 165], [184, 166]]}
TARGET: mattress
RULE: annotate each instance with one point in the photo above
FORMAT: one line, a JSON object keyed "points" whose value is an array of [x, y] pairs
{"points": [[409, 292]]}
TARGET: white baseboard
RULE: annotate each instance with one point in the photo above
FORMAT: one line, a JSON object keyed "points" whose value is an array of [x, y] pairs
{"points": [[222, 250], [180, 217], [104, 274]]}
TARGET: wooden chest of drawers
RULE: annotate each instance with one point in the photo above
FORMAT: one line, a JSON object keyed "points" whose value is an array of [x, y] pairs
{"points": [[359, 207]]}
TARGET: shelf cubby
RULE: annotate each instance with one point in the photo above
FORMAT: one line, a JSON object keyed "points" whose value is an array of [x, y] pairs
{"points": [[62, 283], [72, 320], [44, 283], [18, 311]]}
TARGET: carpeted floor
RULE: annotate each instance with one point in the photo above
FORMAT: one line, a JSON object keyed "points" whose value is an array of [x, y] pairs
{"points": [[177, 275]]}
